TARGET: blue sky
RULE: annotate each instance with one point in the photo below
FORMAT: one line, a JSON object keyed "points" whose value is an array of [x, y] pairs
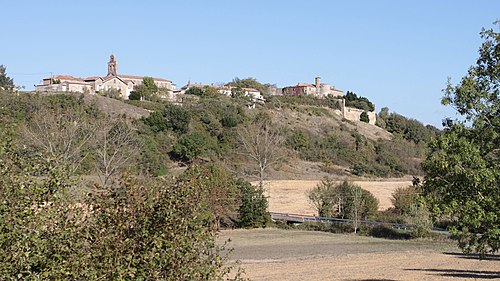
{"points": [[397, 53]]}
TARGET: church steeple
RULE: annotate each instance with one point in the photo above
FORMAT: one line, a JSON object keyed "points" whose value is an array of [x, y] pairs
{"points": [[112, 66]]}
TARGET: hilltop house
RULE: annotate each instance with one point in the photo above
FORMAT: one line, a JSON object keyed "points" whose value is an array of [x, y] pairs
{"points": [[319, 89], [112, 81]]}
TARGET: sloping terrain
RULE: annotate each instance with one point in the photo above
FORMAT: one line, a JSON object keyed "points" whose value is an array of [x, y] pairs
{"points": [[116, 107], [322, 120]]}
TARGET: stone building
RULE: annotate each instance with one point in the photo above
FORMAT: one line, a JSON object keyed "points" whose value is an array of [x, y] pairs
{"points": [[317, 89], [112, 81]]}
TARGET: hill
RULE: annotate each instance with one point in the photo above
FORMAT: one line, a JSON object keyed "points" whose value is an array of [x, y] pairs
{"points": [[313, 139]]}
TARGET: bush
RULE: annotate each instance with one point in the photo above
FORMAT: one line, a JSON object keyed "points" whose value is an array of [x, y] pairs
{"points": [[343, 200], [134, 95], [364, 117], [136, 229], [404, 197], [384, 231], [193, 145], [352, 100], [253, 209], [171, 117]]}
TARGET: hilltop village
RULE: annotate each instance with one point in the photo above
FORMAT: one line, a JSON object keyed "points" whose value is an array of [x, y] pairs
{"points": [[125, 85]]}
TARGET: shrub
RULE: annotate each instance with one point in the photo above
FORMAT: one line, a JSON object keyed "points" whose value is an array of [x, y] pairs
{"points": [[253, 209], [171, 117], [193, 145], [136, 229], [364, 117]]}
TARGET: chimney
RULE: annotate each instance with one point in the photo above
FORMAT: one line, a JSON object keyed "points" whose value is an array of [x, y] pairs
{"points": [[318, 82]]}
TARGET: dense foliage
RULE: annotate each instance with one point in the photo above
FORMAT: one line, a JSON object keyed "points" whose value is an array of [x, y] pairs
{"points": [[133, 229], [6, 82], [249, 83], [463, 169], [409, 129], [352, 100], [253, 209], [343, 200]]}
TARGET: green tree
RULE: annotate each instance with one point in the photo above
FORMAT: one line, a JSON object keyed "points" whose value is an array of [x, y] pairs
{"points": [[137, 229], [253, 209], [219, 194], [364, 117], [248, 83], [148, 89], [463, 169], [194, 91], [134, 95], [6, 82], [172, 117], [352, 100], [193, 145], [326, 198], [344, 200]]}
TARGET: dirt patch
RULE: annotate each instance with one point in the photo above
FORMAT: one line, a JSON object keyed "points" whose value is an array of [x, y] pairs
{"points": [[273, 254], [290, 196]]}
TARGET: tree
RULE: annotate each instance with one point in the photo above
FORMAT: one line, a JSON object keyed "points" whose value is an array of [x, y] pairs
{"points": [[62, 131], [344, 200], [172, 117], [404, 197], [326, 198], [136, 229], [248, 83], [218, 192], [194, 91], [253, 209], [463, 169], [356, 208], [115, 146], [351, 99], [364, 117], [193, 145], [6, 82], [261, 142], [148, 89]]}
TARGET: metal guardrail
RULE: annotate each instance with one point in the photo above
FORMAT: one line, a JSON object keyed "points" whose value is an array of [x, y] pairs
{"points": [[306, 218]]}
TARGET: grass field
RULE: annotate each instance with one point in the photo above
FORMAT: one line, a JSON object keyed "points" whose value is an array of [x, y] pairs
{"points": [[274, 254], [290, 196]]}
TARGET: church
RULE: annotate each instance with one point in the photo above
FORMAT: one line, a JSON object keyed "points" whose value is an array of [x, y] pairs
{"points": [[95, 84]]}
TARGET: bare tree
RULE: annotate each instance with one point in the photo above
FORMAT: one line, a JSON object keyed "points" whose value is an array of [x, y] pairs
{"points": [[357, 206], [262, 144], [115, 146], [63, 134]]}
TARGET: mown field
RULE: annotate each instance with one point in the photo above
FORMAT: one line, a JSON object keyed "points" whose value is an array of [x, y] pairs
{"points": [[274, 254], [290, 196]]}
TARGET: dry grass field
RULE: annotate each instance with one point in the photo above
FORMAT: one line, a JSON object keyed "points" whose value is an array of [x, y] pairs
{"points": [[290, 196], [274, 254]]}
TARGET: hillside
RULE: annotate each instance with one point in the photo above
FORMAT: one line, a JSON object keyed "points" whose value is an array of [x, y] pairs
{"points": [[314, 141], [322, 120], [116, 107]]}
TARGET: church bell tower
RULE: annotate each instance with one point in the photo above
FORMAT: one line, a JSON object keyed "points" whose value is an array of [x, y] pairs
{"points": [[112, 66]]}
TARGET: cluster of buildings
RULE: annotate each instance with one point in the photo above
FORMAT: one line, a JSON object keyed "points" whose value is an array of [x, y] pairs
{"points": [[128, 83], [95, 84], [125, 84]]}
